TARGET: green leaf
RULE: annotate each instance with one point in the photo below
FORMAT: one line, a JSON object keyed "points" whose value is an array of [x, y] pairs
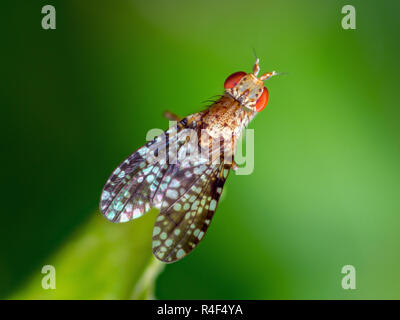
{"points": [[102, 260]]}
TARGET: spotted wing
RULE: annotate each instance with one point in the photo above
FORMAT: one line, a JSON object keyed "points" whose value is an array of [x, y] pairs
{"points": [[131, 189], [187, 209]]}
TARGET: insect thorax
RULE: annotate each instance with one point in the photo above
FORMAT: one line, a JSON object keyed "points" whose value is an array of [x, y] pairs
{"points": [[224, 121]]}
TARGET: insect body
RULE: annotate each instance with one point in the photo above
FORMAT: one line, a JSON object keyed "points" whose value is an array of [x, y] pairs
{"points": [[182, 172]]}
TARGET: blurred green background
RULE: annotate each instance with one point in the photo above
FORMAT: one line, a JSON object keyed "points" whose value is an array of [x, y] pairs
{"points": [[325, 191]]}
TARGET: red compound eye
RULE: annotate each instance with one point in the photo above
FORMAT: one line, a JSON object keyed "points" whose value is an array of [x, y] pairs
{"points": [[262, 100], [233, 79]]}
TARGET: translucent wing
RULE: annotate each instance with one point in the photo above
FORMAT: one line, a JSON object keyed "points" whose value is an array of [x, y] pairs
{"points": [[187, 209], [131, 189], [186, 188]]}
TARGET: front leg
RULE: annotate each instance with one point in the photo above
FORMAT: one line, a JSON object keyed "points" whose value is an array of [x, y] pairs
{"points": [[171, 116]]}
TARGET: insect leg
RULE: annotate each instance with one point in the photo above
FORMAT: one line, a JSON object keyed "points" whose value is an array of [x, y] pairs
{"points": [[171, 116]]}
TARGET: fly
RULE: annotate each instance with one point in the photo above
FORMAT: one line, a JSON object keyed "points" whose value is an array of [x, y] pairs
{"points": [[182, 172]]}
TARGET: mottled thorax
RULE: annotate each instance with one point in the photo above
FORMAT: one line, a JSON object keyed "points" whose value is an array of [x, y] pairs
{"points": [[224, 121], [226, 117]]}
